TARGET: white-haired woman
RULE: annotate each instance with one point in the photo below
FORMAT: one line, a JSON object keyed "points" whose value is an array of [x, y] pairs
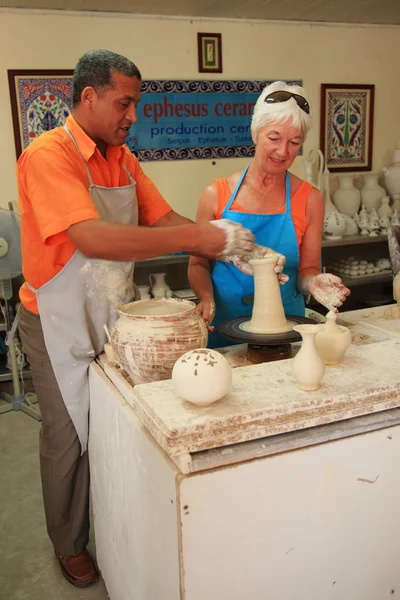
{"points": [[284, 213]]}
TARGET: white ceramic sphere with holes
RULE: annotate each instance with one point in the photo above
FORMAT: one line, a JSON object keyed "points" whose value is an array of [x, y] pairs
{"points": [[202, 376]]}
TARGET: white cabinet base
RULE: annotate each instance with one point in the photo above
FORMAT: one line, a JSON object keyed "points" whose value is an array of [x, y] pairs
{"points": [[319, 523]]}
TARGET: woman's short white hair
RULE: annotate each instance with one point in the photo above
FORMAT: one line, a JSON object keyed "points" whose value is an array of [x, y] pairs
{"points": [[265, 113]]}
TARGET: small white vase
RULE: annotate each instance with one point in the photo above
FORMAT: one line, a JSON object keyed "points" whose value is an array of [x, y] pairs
{"points": [[333, 341], [159, 287], [385, 209], [372, 192], [307, 366], [392, 174], [347, 198]]}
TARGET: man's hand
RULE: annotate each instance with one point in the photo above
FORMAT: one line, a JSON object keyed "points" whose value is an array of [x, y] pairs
{"points": [[242, 262], [206, 310], [329, 290]]}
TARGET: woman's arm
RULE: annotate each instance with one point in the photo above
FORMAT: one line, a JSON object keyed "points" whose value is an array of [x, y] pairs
{"points": [[199, 272], [326, 288], [310, 250]]}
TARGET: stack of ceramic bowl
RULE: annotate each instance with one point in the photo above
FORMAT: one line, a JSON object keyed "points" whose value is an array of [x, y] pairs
{"points": [[353, 267]]}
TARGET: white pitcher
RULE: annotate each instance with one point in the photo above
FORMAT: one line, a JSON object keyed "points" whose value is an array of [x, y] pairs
{"points": [[159, 287]]}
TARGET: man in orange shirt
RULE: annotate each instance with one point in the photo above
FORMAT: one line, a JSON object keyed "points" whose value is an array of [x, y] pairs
{"points": [[88, 211]]}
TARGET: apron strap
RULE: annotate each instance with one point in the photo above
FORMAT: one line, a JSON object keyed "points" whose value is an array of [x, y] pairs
{"points": [[131, 180], [287, 184], [80, 154], [235, 191]]}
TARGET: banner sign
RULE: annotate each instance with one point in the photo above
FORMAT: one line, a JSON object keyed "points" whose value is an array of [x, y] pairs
{"points": [[195, 119]]}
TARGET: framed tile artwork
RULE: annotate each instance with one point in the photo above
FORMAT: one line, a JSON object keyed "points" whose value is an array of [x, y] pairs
{"points": [[40, 101], [209, 52], [347, 118]]}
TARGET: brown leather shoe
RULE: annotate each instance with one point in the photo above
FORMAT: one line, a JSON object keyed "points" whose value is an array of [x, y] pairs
{"points": [[79, 570]]}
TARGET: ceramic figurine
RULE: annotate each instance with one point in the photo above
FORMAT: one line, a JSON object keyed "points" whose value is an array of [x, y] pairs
{"points": [[202, 376], [384, 223], [333, 341], [307, 366], [395, 219]]}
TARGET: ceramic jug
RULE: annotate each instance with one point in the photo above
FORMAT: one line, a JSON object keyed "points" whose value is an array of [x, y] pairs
{"points": [[159, 287]]}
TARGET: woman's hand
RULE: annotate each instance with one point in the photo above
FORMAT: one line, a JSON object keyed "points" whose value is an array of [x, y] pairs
{"points": [[329, 290], [206, 310], [242, 262]]}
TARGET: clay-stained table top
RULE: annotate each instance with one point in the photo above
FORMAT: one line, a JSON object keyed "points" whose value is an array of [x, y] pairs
{"points": [[264, 400]]}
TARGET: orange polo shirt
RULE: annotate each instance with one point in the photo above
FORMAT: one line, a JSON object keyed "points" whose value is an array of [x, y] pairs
{"points": [[54, 194]]}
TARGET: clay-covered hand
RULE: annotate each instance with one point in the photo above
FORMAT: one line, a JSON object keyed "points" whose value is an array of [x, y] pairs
{"points": [[238, 240], [206, 310], [329, 290], [242, 262]]}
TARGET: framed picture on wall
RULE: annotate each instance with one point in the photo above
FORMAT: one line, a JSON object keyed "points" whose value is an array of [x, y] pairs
{"points": [[40, 100], [209, 52], [347, 118]]}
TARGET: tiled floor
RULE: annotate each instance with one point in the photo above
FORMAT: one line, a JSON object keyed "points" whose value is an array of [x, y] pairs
{"points": [[28, 569]]}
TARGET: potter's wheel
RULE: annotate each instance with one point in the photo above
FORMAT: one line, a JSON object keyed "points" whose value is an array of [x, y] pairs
{"points": [[273, 346]]}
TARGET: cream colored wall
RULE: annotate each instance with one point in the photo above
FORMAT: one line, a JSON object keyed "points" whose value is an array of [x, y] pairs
{"points": [[167, 49]]}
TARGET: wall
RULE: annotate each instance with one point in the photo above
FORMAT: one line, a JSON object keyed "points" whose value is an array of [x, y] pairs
{"points": [[167, 49]]}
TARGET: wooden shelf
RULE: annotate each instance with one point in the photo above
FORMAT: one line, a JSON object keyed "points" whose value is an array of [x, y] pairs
{"points": [[365, 279], [350, 240], [167, 259]]}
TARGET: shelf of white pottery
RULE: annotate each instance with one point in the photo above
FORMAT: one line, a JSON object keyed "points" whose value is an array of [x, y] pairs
{"points": [[264, 400], [365, 279], [166, 259], [350, 240]]}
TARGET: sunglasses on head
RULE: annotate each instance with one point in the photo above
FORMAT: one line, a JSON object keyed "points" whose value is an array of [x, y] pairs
{"points": [[282, 96]]}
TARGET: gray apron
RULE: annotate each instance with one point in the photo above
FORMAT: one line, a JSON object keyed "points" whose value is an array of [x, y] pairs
{"points": [[83, 297]]}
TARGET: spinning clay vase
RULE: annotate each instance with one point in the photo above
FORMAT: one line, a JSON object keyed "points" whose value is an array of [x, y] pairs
{"points": [[202, 376]]}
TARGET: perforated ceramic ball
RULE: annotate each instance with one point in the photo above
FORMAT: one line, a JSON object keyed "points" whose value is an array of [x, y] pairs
{"points": [[202, 376]]}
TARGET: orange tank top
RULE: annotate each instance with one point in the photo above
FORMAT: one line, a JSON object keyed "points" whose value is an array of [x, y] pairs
{"points": [[298, 203]]}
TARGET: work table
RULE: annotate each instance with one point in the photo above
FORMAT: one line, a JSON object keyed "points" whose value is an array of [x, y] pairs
{"points": [[219, 486]]}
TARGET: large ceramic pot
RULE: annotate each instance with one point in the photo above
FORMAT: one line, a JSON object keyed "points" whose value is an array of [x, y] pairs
{"points": [[392, 175], [372, 193], [347, 198], [150, 335]]}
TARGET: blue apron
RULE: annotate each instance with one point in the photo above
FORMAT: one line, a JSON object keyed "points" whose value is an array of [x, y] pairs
{"points": [[232, 288]]}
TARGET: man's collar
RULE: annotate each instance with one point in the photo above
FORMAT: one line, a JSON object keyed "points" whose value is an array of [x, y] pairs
{"points": [[85, 143]]}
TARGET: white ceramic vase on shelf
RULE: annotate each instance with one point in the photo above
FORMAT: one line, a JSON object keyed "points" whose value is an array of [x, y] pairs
{"points": [[159, 287], [385, 209], [392, 174], [372, 192], [335, 224], [347, 198], [307, 366]]}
